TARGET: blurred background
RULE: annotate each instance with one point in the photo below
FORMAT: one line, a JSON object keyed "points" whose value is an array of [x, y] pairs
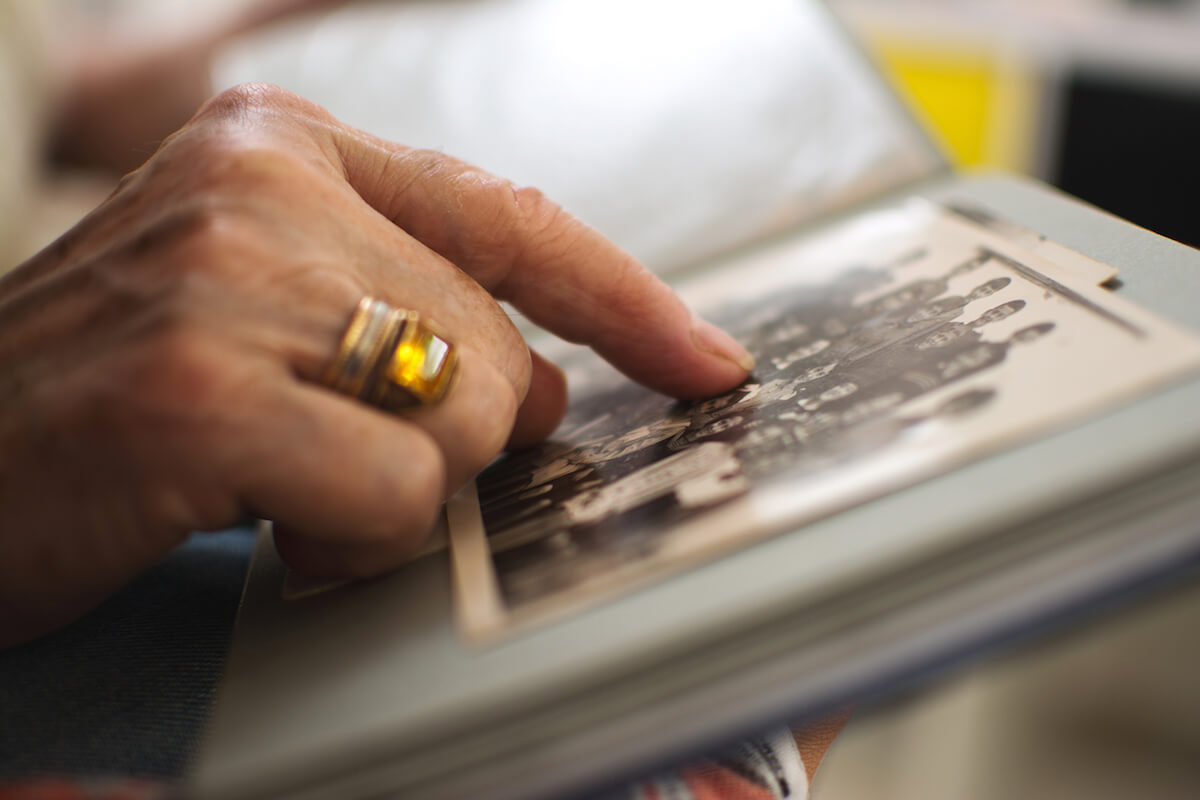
{"points": [[1098, 97]]}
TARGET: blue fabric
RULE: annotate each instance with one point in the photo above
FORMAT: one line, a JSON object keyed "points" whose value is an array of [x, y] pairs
{"points": [[126, 690]]}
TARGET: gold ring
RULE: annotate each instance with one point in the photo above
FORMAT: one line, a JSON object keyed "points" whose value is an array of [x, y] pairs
{"points": [[391, 358]]}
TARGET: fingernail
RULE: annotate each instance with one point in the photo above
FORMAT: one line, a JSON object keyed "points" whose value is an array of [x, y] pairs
{"points": [[711, 339]]}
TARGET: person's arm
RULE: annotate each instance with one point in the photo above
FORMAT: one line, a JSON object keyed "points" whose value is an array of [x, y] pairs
{"points": [[119, 95]]}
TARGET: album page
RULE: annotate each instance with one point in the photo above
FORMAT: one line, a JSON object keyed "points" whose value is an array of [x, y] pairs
{"points": [[891, 348]]}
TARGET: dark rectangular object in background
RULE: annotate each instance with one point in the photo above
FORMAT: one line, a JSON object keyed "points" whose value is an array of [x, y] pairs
{"points": [[1131, 145]]}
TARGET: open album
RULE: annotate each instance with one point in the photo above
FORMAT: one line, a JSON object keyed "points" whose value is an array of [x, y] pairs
{"points": [[976, 410], [896, 345]]}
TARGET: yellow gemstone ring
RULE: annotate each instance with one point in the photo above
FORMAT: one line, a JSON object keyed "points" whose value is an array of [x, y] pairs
{"points": [[391, 358]]}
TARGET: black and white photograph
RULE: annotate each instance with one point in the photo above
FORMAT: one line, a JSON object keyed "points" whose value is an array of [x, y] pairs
{"points": [[894, 348]]}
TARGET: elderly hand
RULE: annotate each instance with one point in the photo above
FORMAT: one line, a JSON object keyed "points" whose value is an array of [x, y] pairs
{"points": [[160, 363]]}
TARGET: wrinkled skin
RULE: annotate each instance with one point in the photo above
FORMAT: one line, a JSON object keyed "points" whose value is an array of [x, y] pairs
{"points": [[159, 364]]}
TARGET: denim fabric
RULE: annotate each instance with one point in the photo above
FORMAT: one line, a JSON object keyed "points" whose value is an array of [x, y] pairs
{"points": [[126, 690]]}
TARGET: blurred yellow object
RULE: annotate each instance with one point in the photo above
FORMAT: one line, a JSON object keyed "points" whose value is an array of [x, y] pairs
{"points": [[981, 102]]}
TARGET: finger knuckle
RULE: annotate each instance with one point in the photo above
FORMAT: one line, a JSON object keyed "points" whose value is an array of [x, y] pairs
{"points": [[418, 164], [246, 101], [506, 211], [538, 218], [247, 139], [521, 223]]}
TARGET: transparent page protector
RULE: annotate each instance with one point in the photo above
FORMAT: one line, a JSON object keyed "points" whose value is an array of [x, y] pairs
{"points": [[679, 128]]}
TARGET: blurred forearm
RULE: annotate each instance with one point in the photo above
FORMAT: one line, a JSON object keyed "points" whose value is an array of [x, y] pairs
{"points": [[121, 95]]}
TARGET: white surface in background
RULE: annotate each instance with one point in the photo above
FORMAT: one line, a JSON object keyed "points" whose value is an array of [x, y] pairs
{"points": [[677, 127]]}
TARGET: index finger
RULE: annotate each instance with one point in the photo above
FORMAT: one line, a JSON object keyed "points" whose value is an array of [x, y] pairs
{"points": [[561, 273]]}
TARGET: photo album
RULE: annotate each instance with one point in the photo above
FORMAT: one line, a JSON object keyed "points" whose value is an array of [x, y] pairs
{"points": [[897, 345], [975, 415]]}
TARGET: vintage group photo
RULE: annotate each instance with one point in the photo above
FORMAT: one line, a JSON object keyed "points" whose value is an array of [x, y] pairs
{"points": [[887, 351]]}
